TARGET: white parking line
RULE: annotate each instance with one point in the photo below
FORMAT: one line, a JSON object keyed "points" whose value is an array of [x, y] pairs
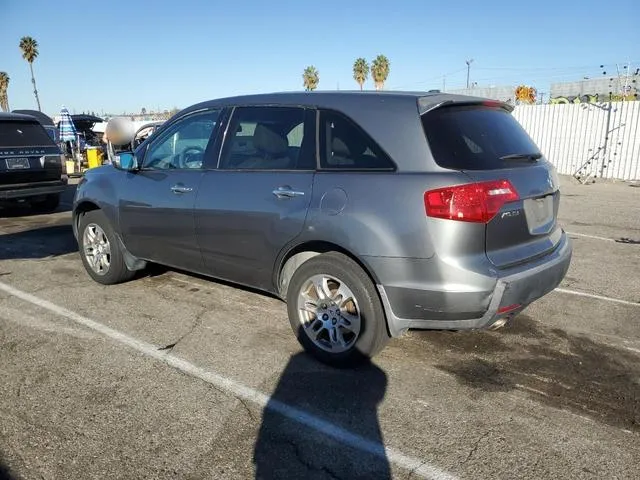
{"points": [[595, 237], [597, 297], [416, 466]]}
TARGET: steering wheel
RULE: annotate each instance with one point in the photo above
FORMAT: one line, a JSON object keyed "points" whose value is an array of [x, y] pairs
{"points": [[188, 158]]}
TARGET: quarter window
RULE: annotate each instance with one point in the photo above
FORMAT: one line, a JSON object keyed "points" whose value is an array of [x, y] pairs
{"points": [[268, 138], [345, 146], [184, 145]]}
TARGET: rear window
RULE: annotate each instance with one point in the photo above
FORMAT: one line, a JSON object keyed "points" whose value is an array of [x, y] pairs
{"points": [[23, 134], [475, 137]]}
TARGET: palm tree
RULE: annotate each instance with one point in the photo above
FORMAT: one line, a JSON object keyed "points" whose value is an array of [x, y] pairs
{"points": [[380, 71], [360, 71], [310, 78], [29, 47], [4, 86]]}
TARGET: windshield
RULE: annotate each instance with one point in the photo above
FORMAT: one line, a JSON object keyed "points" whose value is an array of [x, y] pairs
{"points": [[476, 137], [23, 134]]}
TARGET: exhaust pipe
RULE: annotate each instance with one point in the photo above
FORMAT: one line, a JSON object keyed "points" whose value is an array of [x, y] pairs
{"points": [[499, 323]]}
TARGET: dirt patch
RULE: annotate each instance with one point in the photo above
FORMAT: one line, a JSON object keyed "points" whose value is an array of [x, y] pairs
{"points": [[558, 368]]}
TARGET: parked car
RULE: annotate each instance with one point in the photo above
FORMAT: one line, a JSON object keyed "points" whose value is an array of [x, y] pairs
{"points": [[45, 120], [30, 164], [369, 213]]}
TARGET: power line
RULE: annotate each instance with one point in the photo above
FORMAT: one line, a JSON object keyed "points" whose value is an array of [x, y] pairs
{"points": [[539, 74], [594, 66], [430, 79]]}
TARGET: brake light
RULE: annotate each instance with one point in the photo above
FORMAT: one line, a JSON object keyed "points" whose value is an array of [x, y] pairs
{"points": [[472, 202], [492, 103], [508, 308]]}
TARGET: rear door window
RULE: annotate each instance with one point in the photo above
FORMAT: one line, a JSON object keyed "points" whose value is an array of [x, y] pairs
{"points": [[345, 146], [269, 138], [475, 137], [23, 134]]}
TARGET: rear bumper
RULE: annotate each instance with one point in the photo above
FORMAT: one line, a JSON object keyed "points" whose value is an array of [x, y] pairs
{"points": [[476, 307], [26, 190]]}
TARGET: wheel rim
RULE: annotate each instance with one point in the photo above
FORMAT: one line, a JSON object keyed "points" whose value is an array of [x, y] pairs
{"points": [[329, 314], [97, 249]]}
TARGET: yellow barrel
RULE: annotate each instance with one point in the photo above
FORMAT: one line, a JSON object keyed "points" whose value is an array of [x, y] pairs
{"points": [[71, 167], [93, 157]]}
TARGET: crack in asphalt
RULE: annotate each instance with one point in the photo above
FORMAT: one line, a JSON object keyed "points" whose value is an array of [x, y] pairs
{"points": [[21, 384], [414, 470], [476, 445], [196, 324], [246, 407], [630, 241], [308, 465]]}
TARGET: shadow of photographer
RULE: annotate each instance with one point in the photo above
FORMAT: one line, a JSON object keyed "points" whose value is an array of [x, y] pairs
{"points": [[294, 443]]}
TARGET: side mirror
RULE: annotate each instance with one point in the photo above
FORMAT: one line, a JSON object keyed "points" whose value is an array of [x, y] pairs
{"points": [[126, 161]]}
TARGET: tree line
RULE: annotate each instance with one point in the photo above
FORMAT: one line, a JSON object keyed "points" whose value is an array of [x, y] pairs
{"points": [[379, 71], [29, 48]]}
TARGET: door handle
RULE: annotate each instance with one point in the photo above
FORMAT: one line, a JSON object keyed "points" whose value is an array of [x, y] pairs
{"points": [[181, 189], [287, 192]]}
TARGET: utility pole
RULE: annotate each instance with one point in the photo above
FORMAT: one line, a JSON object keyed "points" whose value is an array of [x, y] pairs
{"points": [[468, 62], [444, 83]]}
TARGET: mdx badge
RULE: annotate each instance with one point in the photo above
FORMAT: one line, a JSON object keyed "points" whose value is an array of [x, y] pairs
{"points": [[510, 213]]}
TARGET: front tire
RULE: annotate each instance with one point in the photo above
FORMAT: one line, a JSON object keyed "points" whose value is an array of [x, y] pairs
{"points": [[335, 311], [100, 251]]}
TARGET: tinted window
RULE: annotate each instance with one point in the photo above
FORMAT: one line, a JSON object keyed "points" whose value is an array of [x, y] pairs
{"points": [[344, 145], [474, 138], [182, 146], [269, 138], [23, 134]]}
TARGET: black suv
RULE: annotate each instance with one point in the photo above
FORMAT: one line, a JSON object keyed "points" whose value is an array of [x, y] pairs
{"points": [[30, 164]]}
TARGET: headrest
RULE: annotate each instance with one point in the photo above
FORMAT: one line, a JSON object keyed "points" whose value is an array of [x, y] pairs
{"points": [[354, 139], [269, 141], [339, 148]]}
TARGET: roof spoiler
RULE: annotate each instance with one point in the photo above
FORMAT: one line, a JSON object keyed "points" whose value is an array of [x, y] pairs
{"points": [[425, 105]]}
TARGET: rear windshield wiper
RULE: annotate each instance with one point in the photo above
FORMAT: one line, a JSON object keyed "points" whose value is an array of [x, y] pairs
{"points": [[522, 156]]}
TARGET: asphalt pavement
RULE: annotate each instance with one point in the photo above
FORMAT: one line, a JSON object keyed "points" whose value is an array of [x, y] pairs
{"points": [[178, 376]]}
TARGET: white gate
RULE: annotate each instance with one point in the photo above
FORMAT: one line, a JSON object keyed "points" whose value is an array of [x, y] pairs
{"points": [[587, 139]]}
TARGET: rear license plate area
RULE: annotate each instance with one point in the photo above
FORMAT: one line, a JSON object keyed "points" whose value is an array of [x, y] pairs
{"points": [[17, 163], [540, 214]]}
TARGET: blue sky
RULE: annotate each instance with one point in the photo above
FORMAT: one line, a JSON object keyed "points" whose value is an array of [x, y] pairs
{"points": [[119, 55]]}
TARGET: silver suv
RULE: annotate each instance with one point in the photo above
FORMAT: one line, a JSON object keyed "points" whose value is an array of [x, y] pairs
{"points": [[369, 213]]}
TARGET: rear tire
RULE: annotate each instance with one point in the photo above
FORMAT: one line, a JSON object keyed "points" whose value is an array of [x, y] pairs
{"points": [[100, 251], [335, 329], [48, 205]]}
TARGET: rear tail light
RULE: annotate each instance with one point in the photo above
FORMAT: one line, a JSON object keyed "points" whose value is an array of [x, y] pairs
{"points": [[492, 103], [50, 159], [472, 202], [508, 308]]}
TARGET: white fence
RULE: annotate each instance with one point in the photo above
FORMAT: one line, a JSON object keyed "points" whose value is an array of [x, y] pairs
{"points": [[585, 139]]}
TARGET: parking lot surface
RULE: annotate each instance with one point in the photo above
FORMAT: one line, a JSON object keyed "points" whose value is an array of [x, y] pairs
{"points": [[177, 376]]}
